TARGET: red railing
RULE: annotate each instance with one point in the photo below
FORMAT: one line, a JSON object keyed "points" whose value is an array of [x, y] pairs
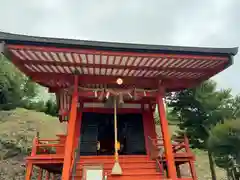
{"points": [[180, 147], [75, 159], [48, 146], [156, 154]]}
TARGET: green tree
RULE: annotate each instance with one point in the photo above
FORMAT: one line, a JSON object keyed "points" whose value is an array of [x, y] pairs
{"points": [[34, 105], [224, 142], [15, 88], [198, 110], [51, 108], [171, 117]]}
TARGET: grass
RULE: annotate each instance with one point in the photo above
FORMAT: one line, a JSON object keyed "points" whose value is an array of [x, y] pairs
{"points": [[22, 122], [18, 128]]}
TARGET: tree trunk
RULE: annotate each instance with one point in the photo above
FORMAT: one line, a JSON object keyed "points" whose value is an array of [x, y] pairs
{"points": [[212, 166], [229, 175]]}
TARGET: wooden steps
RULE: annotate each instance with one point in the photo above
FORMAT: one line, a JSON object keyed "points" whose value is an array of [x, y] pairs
{"points": [[134, 167]]}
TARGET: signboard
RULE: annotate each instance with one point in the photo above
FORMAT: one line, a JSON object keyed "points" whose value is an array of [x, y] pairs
{"points": [[93, 172]]}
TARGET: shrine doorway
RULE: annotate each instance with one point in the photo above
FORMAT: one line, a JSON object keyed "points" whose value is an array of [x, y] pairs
{"points": [[97, 134]]}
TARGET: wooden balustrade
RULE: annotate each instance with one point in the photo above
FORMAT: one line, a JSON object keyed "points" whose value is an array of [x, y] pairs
{"points": [[155, 154], [48, 146], [181, 150], [178, 144]]}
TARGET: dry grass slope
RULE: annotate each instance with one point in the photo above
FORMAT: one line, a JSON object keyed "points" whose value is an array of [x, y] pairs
{"points": [[18, 127]]}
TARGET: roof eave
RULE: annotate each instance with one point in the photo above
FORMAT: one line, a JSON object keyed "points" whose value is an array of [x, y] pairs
{"points": [[9, 38]]}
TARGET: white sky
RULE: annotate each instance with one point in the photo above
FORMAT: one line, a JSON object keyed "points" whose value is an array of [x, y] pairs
{"points": [[214, 23]]}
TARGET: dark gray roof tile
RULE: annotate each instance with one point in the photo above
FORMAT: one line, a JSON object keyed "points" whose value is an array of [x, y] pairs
{"points": [[10, 38]]}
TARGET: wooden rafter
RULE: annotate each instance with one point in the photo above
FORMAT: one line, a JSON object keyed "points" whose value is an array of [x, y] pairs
{"points": [[109, 66], [54, 67]]}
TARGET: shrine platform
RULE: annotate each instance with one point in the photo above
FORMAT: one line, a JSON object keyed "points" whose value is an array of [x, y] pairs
{"points": [[48, 155]]}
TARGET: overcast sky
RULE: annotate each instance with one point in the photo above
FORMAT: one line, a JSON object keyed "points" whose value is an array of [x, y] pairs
{"points": [[214, 23]]}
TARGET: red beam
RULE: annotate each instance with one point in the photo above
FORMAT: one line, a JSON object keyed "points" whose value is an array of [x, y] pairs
{"points": [[90, 93], [143, 100], [101, 79], [110, 111], [91, 79], [170, 84], [114, 53]]}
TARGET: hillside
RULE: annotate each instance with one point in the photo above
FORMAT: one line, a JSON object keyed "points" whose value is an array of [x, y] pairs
{"points": [[17, 130], [18, 127]]}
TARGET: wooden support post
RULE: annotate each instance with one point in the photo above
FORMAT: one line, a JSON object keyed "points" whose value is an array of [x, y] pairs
{"points": [[29, 171], [191, 162], [53, 176], [166, 136], [69, 145], [178, 171], [40, 173]]}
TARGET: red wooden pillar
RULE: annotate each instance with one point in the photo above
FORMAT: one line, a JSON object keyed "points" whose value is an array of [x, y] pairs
{"points": [[78, 125], [146, 130], [149, 128], [69, 144], [152, 124], [166, 136], [29, 171]]}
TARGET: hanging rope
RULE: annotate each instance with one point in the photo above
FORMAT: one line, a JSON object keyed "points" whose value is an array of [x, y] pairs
{"points": [[115, 129], [116, 170]]}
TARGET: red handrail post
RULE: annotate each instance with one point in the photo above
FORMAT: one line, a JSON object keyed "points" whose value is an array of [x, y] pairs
{"points": [[34, 146], [29, 166], [191, 162]]}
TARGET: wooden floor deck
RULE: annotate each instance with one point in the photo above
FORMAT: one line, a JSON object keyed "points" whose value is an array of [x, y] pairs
{"points": [[54, 162], [49, 155]]}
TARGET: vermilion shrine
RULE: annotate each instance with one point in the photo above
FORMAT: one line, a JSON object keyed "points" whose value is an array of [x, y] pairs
{"points": [[107, 93]]}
